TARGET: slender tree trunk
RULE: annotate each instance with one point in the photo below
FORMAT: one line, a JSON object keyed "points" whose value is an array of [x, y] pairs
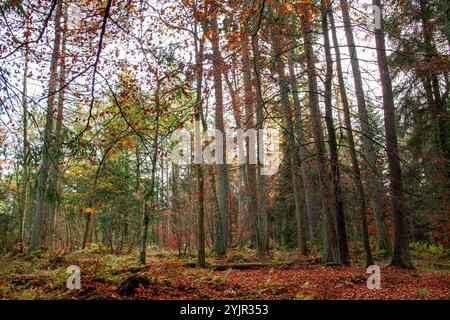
{"points": [[251, 180], [46, 148], [199, 47], [367, 136], [330, 253], [150, 195], [292, 150], [176, 208], [353, 155], [312, 206], [26, 146], [88, 229], [344, 256], [57, 147], [242, 193], [222, 171], [138, 191], [401, 257], [262, 222]]}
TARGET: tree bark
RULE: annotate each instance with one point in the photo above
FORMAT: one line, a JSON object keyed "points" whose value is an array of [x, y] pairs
{"points": [[48, 131], [344, 256], [351, 141], [401, 257], [312, 206], [367, 136], [57, 147], [330, 253], [283, 86], [26, 145], [262, 222], [222, 171], [250, 182], [199, 47], [243, 184], [150, 194]]}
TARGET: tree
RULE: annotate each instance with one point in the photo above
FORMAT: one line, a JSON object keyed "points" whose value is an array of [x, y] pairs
{"points": [[401, 256], [283, 85], [344, 257], [262, 223], [222, 172], [312, 206], [26, 143], [250, 180], [199, 47], [330, 253], [48, 132], [352, 146], [57, 137], [366, 130]]}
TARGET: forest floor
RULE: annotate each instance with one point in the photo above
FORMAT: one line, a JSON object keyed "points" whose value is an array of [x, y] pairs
{"points": [[165, 276]]}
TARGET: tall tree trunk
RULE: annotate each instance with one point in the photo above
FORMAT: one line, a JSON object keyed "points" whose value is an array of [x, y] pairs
{"points": [[283, 86], [367, 136], [176, 208], [48, 132], [138, 191], [57, 147], [330, 253], [250, 182], [353, 155], [26, 145], [312, 206], [344, 256], [150, 194], [401, 257], [222, 171], [199, 47], [243, 183], [262, 222]]}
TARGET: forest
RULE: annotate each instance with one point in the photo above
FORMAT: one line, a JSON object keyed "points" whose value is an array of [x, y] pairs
{"points": [[233, 149]]}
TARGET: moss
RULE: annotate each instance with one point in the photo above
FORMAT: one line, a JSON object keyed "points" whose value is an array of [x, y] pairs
{"points": [[422, 293], [304, 296]]}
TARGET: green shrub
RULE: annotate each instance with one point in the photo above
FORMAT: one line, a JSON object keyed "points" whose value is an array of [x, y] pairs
{"points": [[428, 252]]}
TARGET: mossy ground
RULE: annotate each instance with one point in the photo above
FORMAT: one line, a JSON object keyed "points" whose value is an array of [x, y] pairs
{"points": [[167, 276]]}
